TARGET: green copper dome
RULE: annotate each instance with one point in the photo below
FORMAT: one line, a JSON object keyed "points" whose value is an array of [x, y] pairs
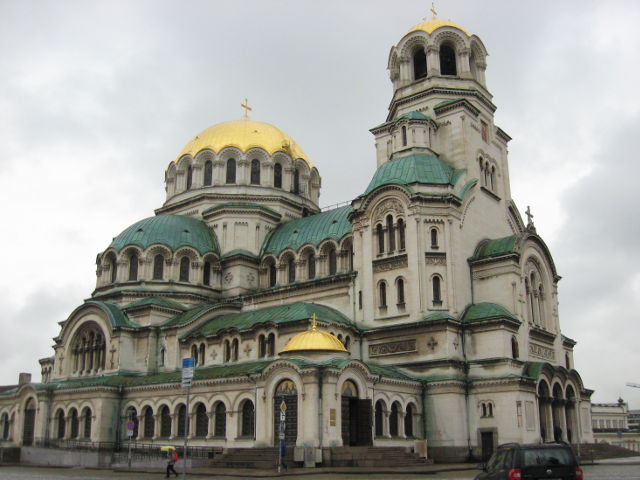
{"points": [[173, 231]]}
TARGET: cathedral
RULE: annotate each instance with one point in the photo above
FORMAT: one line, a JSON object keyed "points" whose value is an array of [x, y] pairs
{"points": [[423, 314]]}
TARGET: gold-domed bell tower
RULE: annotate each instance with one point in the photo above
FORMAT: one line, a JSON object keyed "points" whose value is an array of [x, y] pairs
{"points": [[438, 72]]}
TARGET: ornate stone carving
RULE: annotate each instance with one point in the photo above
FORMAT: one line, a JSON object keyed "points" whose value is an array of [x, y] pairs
{"points": [[387, 264], [432, 344], [542, 352], [435, 259], [392, 348], [228, 278], [251, 278], [387, 206]]}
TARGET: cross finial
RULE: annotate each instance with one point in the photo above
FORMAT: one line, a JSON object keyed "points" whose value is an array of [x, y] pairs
{"points": [[314, 322], [529, 216], [247, 109], [433, 9]]}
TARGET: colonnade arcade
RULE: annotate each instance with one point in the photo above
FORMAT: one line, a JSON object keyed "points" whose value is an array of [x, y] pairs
{"points": [[558, 412]]}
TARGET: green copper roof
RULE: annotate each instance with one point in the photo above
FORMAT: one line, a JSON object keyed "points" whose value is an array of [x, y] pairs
{"points": [[278, 314], [174, 231], [239, 251], [495, 247], [158, 302], [438, 316], [408, 116], [448, 102], [313, 230], [115, 315], [486, 311], [417, 168], [189, 315], [241, 206]]}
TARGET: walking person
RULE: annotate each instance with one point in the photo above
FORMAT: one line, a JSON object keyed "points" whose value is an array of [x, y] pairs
{"points": [[172, 458]]}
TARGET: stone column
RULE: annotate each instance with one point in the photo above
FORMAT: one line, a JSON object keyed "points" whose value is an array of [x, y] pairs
{"points": [[212, 418]]}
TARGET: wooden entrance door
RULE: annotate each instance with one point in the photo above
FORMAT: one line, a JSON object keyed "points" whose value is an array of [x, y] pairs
{"points": [[486, 438], [287, 392]]}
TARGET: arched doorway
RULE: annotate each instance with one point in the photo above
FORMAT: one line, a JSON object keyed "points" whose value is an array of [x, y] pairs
{"points": [[28, 427], [286, 392], [356, 416]]}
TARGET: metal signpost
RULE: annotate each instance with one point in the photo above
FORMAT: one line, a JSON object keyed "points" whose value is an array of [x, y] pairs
{"points": [[188, 365], [130, 428], [281, 430]]}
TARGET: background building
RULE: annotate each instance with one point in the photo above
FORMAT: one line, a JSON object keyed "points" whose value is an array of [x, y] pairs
{"points": [[436, 305]]}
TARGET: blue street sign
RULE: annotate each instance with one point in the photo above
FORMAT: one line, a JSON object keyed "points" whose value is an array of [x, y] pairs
{"points": [[188, 362]]}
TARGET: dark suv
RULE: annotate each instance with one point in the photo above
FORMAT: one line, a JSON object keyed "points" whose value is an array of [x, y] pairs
{"points": [[548, 461]]}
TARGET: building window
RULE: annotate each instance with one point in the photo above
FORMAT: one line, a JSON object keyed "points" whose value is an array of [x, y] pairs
{"points": [[400, 291], [404, 136], [391, 233], [133, 267], [379, 418], [208, 173], [567, 361], [114, 267], [382, 289], [165, 422], [149, 423], [202, 352], [87, 423], [158, 267], [380, 235], [484, 131], [234, 350], [255, 172], [271, 345], [419, 64], [393, 420], [515, 349], [333, 264], [272, 274], [227, 351], [184, 269], [291, 270], [61, 423], [296, 181], [277, 175], [202, 421], [311, 266], [401, 235], [437, 293], [360, 299], [447, 60], [220, 422], [231, 171], [247, 429], [189, 177], [182, 415], [206, 274], [163, 354], [434, 238]]}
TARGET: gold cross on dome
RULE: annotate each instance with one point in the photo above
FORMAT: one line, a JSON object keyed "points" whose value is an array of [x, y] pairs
{"points": [[433, 9], [247, 109], [314, 322]]}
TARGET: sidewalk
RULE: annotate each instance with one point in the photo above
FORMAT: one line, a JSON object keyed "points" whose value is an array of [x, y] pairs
{"points": [[618, 461]]}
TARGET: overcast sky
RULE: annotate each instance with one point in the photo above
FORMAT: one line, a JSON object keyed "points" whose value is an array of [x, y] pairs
{"points": [[96, 98]]}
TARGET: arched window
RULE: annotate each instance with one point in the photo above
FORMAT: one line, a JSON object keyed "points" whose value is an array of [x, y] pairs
{"points": [[61, 423], [332, 261], [567, 361], [380, 235], [220, 420], [404, 136], [490, 409], [158, 267], [391, 233], [189, 177], [408, 421], [231, 171], [400, 291], [447, 60], [227, 351], [202, 421], [262, 346], [291, 270], [296, 181], [379, 418], [437, 293], [234, 350], [393, 420], [347, 342], [133, 267], [194, 354], [419, 64], [201, 353], [401, 235], [182, 415], [165, 422], [247, 428], [382, 289], [434, 237], [277, 175], [255, 172], [114, 267], [132, 415], [492, 177], [273, 274], [515, 350], [5, 426], [311, 266], [271, 345], [184, 269], [208, 173], [149, 423], [163, 355], [206, 273], [86, 420], [88, 349]]}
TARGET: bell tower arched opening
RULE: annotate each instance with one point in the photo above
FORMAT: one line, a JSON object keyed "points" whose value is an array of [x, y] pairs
{"points": [[419, 64]]}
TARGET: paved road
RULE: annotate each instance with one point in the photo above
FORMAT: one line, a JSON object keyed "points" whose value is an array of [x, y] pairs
{"points": [[592, 472]]}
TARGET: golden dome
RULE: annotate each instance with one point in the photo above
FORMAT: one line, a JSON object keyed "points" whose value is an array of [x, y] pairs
{"points": [[433, 24], [314, 339], [245, 134]]}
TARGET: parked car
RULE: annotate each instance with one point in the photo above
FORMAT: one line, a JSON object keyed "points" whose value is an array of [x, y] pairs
{"points": [[548, 461]]}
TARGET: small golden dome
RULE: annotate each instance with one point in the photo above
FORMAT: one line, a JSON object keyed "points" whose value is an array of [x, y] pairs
{"points": [[315, 340], [433, 24], [245, 134]]}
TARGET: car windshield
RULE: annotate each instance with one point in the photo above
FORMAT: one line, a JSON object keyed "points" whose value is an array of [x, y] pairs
{"points": [[547, 456]]}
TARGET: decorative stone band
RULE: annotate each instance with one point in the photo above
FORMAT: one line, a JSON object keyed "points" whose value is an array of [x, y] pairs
{"points": [[392, 263], [542, 352], [392, 348]]}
